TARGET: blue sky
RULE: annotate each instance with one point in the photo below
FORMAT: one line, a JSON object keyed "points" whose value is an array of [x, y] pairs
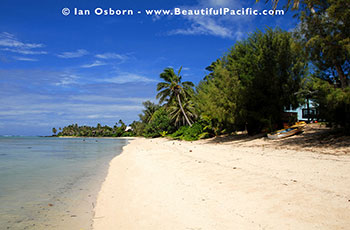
{"points": [[56, 70]]}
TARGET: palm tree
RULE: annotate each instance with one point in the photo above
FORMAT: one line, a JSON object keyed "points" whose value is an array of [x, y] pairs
{"points": [[148, 112], [177, 116], [173, 89]]}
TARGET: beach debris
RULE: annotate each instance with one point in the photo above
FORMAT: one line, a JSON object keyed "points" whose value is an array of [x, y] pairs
{"points": [[50, 205], [190, 150], [73, 216], [294, 180], [234, 168]]}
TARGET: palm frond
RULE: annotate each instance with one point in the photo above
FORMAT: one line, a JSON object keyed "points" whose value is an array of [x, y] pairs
{"points": [[162, 85]]}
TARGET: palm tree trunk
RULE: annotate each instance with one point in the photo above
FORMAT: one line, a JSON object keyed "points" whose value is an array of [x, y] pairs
{"points": [[183, 111]]}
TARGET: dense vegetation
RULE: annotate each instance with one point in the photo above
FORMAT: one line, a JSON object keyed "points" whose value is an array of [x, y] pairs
{"points": [[251, 86]]}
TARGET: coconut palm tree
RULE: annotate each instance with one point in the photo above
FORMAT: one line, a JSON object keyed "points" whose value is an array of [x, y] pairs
{"points": [[173, 89], [178, 117]]}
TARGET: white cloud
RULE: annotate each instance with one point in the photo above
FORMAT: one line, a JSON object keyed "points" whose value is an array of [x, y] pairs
{"points": [[25, 59], [94, 64], [204, 25], [24, 51], [9, 40], [127, 78], [12, 44], [73, 54], [112, 56], [94, 116], [42, 108], [67, 79], [221, 26], [109, 99], [155, 17]]}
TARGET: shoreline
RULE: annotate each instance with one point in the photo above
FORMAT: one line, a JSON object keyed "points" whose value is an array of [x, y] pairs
{"points": [[247, 184]]}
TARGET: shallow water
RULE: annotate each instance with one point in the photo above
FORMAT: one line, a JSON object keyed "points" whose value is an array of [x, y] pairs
{"points": [[52, 183]]}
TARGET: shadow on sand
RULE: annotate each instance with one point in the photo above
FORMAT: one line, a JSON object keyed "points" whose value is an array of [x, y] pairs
{"points": [[314, 136]]}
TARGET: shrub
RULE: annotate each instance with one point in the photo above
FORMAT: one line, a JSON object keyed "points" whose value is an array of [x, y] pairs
{"points": [[188, 133], [160, 122]]}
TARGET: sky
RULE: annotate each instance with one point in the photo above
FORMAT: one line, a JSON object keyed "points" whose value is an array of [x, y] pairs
{"points": [[57, 69]]}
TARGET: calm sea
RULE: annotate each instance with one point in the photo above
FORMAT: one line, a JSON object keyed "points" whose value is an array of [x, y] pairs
{"points": [[52, 183]]}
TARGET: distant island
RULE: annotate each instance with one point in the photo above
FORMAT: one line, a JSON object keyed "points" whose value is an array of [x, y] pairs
{"points": [[118, 130]]}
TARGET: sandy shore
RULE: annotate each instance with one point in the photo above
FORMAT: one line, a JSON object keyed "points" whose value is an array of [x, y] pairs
{"points": [[245, 184]]}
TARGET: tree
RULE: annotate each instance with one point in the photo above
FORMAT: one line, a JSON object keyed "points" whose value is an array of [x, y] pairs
{"points": [[217, 97], [148, 112], [177, 115], [159, 123], [324, 30], [54, 130], [253, 84], [174, 89], [325, 34]]}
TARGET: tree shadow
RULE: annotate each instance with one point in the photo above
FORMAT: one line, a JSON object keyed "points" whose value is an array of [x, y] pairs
{"points": [[234, 139], [314, 136], [317, 136]]}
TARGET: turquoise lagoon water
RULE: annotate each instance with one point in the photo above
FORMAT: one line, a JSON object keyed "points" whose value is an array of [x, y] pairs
{"points": [[52, 183]]}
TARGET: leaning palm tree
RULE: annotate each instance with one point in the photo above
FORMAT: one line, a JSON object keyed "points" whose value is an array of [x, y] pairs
{"points": [[173, 89], [178, 117]]}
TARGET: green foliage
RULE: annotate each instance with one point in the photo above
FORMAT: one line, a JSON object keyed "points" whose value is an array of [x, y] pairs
{"points": [[325, 36], [176, 114], [189, 133], [54, 131], [332, 103], [324, 32], [148, 112], [159, 123], [99, 131], [176, 93], [138, 127], [218, 97], [211, 127], [251, 85]]}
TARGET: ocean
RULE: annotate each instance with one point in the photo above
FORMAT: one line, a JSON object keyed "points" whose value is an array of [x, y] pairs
{"points": [[52, 183]]}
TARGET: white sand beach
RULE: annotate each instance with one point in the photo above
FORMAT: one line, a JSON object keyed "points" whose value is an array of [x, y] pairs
{"points": [[233, 184]]}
